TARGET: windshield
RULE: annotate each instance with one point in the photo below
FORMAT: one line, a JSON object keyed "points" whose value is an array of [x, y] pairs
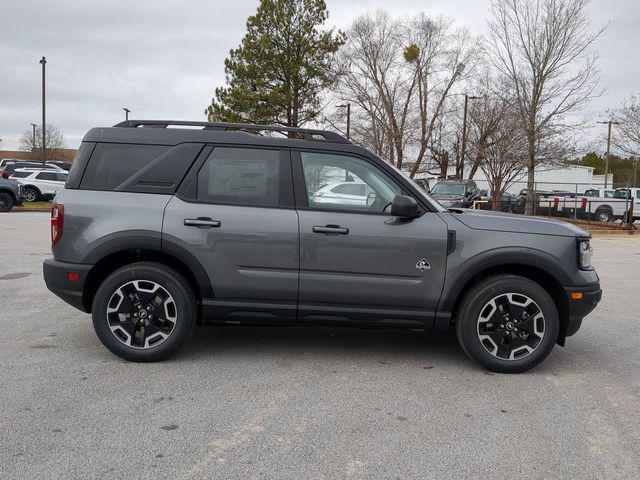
{"points": [[424, 193], [448, 189]]}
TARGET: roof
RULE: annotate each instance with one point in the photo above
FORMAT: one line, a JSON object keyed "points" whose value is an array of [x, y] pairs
{"points": [[164, 132]]}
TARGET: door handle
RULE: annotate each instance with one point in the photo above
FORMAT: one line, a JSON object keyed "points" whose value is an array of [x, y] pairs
{"points": [[202, 222], [329, 229]]}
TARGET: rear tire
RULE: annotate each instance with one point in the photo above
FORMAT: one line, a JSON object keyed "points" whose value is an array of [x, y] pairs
{"points": [[30, 194], [507, 324], [6, 202], [604, 215], [144, 312]]}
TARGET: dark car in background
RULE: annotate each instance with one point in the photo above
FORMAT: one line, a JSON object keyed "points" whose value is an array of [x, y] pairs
{"points": [[9, 167], [10, 194], [456, 193]]}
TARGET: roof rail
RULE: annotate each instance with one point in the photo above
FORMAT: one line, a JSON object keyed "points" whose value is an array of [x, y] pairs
{"points": [[305, 133]]}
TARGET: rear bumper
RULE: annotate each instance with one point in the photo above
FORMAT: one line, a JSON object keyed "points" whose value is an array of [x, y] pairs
{"points": [[56, 276], [579, 308]]}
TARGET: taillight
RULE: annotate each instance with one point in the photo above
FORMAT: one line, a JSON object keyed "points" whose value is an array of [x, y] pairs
{"points": [[57, 222], [5, 174]]}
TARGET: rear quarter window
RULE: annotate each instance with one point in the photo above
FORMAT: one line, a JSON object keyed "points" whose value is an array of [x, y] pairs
{"points": [[113, 163]]}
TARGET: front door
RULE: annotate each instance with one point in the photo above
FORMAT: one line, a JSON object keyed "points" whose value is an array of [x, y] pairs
{"points": [[357, 262], [241, 226]]}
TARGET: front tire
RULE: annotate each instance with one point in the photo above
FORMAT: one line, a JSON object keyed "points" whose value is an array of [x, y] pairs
{"points": [[144, 312], [30, 194], [507, 324]]}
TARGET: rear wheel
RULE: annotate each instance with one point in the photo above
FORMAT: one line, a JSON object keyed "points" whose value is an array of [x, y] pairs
{"points": [[144, 312], [604, 215], [30, 194], [6, 202], [507, 324]]}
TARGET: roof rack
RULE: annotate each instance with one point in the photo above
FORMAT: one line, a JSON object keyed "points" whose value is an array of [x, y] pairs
{"points": [[305, 133]]}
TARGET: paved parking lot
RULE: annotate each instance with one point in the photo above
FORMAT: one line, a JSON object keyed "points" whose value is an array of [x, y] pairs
{"points": [[289, 403]]}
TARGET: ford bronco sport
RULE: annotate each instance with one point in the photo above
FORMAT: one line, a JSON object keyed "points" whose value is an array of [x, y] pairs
{"points": [[160, 228]]}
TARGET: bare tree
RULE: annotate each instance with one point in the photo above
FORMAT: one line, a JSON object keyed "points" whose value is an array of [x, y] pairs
{"points": [[626, 136], [397, 75], [55, 142], [504, 155], [544, 49]]}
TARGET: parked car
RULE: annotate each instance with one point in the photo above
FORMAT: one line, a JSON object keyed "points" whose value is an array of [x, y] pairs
{"points": [[40, 183], [10, 194], [63, 165], [456, 193], [508, 202], [162, 228], [10, 167], [342, 193], [599, 192]]}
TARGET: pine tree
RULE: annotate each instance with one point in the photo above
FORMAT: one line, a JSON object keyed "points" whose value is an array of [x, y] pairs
{"points": [[282, 65]]}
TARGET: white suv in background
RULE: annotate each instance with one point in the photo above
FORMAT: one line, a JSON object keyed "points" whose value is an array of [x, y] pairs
{"points": [[40, 183]]}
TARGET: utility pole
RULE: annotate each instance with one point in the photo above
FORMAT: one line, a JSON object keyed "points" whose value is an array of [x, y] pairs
{"points": [[606, 158], [464, 132], [33, 136], [126, 113], [43, 62], [348, 107]]}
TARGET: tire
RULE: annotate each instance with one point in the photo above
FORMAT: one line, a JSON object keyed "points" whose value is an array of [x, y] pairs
{"points": [[133, 332], [497, 342], [6, 202], [604, 215], [30, 194]]}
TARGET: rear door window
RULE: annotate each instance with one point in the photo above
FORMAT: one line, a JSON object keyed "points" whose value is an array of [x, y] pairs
{"points": [[245, 176]]}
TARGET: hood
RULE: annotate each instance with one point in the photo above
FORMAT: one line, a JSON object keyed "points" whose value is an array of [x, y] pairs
{"points": [[442, 196], [508, 222]]}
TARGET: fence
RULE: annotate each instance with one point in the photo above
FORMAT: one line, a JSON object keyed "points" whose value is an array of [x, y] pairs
{"points": [[579, 201]]}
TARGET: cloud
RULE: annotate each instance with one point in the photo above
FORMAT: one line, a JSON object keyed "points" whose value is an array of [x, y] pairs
{"points": [[163, 59]]}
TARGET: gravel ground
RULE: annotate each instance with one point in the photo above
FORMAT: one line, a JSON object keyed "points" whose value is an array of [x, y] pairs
{"points": [[302, 403]]}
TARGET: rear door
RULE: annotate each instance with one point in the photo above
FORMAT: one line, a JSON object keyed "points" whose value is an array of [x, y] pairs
{"points": [[357, 263], [235, 214]]}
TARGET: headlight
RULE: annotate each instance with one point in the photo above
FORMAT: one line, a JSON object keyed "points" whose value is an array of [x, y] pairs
{"points": [[585, 253]]}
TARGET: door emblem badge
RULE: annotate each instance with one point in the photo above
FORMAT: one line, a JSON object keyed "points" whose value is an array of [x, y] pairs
{"points": [[423, 265]]}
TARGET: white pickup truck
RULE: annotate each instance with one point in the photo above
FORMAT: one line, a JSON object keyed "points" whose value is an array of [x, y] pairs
{"points": [[603, 205]]}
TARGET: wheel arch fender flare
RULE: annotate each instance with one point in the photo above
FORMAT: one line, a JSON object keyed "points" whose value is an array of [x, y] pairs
{"points": [[152, 241], [509, 258]]}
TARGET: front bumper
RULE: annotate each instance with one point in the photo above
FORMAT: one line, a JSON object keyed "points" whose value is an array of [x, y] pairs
{"points": [[582, 301], [57, 277]]}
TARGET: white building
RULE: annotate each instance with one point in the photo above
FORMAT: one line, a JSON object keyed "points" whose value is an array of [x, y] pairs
{"points": [[572, 178]]}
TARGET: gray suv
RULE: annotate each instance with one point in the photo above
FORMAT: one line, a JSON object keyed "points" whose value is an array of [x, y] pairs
{"points": [[162, 228]]}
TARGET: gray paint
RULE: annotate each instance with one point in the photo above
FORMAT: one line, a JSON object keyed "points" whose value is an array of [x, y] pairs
{"points": [[93, 219], [252, 255]]}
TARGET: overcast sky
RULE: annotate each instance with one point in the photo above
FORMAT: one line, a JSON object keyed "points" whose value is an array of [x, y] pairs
{"points": [[164, 59]]}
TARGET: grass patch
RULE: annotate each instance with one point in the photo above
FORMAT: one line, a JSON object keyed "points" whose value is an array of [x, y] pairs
{"points": [[33, 207]]}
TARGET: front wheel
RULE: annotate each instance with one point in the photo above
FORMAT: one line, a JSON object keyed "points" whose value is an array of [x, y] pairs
{"points": [[507, 324], [144, 312], [31, 194]]}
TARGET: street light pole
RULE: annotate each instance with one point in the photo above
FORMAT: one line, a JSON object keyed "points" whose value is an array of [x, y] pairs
{"points": [[33, 137], [606, 158], [43, 62], [126, 113], [464, 132], [348, 107]]}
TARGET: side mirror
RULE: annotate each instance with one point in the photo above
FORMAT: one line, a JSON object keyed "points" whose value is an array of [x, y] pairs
{"points": [[483, 193], [404, 207]]}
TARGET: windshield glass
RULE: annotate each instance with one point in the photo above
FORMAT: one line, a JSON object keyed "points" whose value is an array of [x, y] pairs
{"points": [[448, 189], [424, 193]]}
